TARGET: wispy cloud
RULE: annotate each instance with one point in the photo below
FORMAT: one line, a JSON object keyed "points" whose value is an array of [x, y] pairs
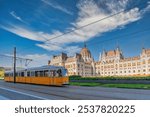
{"points": [[12, 13], [89, 11], [25, 33], [147, 8], [57, 6], [37, 60]]}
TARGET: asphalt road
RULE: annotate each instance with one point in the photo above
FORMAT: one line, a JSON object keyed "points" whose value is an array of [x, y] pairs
{"points": [[11, 91]]}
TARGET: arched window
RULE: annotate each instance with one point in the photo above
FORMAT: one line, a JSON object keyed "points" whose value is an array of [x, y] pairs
{"points": [[144, 62]]}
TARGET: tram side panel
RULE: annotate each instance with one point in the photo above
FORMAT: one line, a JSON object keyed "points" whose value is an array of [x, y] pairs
{"points": [[42, 77], [40, 80]]}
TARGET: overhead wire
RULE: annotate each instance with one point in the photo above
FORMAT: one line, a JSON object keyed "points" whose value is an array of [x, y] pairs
{"points": [[78, 28], [94, 22]]}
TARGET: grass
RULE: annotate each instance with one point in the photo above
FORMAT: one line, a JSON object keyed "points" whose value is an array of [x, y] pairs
{"points": [[1, 78], [84, 84], [130, 86], [111, 78]]}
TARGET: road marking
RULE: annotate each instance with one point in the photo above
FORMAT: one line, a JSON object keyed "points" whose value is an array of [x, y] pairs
{"points": [[23, 93], [3, 98]]}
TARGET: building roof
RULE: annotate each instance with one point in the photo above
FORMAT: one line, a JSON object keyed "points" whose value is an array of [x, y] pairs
{"points": [[130, 59], [85, 52], [71, 59], [46, 67], [111, 53], [147, 51]]}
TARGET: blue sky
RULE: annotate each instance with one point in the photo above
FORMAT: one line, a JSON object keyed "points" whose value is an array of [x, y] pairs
{"points": [[28, 24]]}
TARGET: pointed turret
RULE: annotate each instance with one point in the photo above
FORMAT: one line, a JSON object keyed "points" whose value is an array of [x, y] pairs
{"points": [[84, 44], [100, 56]]}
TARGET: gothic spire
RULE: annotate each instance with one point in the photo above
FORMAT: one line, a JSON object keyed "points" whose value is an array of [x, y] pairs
{"points": [[84, 44]]}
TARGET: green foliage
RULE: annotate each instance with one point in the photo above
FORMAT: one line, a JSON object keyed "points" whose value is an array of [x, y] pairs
{"points": [[132, 86], [111, 78], [75, 76], [1, 78], [85, 84]]}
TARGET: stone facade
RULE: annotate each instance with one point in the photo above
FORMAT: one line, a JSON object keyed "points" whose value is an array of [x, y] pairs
{"points": [[81, 64], [110, 63], [113, 63]]}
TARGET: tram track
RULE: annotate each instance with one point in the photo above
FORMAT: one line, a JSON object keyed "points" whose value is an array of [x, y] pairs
{"points": [[79, 93], [65, 94]]}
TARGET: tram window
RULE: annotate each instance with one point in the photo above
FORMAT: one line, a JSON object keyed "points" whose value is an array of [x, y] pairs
{"points": [[32, 74], [6, 75], [22, 74], [59, 72], [19, 74], [41, 73], [28, 74], [52, 73], [36, 73], [11, 74], [16, 74], [46, 73]]}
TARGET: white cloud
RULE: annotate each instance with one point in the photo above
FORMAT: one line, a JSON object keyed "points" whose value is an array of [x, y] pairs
{"points": [[71, 50], [89, 11], [50, 47], [37, 60], [6, 61], [12, 13], [147, 8], [25, 33], [56, 6]]}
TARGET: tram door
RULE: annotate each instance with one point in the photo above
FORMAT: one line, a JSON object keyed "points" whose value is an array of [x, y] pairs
{"points": [[52, 77]]}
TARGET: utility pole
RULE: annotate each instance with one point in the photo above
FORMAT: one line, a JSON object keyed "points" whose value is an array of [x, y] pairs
{"points": [[14, 64]]}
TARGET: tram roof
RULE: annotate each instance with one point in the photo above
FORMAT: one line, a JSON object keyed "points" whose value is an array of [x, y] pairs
{"points": [[47, 67]]}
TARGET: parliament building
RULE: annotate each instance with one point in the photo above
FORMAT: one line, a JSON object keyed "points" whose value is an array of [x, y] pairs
{"points": [[110, 63]]}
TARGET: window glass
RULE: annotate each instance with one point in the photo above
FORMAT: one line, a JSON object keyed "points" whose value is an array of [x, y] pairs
{"points": [[28, 73], [22, 74], [46, 73]]}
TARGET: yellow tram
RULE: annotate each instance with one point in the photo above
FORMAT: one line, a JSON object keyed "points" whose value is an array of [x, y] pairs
{"points": [[45, 75]]}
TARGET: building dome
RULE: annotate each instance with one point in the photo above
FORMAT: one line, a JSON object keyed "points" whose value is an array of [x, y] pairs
{"points": [[86, 54]]}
